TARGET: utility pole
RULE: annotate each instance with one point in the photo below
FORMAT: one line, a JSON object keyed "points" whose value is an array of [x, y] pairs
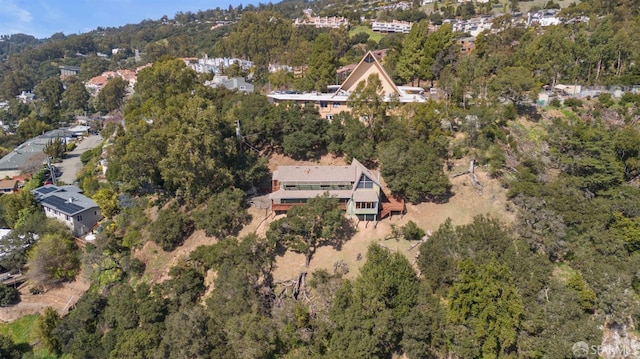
{"points": [[52, 173]]}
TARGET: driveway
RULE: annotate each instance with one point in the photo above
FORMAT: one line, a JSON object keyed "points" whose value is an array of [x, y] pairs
{"points": [[71, 165]]}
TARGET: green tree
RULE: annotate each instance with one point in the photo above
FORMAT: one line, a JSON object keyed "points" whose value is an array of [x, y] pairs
{"points": [[368, 103], [251, 336], [171, 228], [408, 67], [191, 333], [166, 78], [512, 83], [54, 259], [17, 206], [303, 133], [93, 66], [224, 214], [485, 303], [31, 127], [437, 52], [551, 55], [111, 97], [107, 199], [8, 296], [45, 326], [586, 153], [369, 312], [280, 80], [195, 165], [322, 64], [75, 97], [348, 136], [8, 349], [413, 169], [316, 223], [138, 343], [77, 331], [50, 92], [412, 232], [55, 148], [627, 147]]}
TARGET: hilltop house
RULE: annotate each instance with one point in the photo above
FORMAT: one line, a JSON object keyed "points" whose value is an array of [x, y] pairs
{"points": [[333, 103], [396, 26], [233, 83], [9, 186], [333, 22], [357, 189], [66, 71], [68, 205]]}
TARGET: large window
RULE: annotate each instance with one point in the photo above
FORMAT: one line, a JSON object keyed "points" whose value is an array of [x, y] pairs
{"points": [[316, 186], [365, 205], [293, 200], [368, 59], [365, 182]]}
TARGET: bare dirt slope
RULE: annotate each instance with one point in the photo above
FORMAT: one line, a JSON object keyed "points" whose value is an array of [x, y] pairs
{"points": [[158, 262], [60, 298]]}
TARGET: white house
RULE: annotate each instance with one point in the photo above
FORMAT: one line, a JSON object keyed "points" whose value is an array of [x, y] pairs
{"points": [[68, 205], [403, 27], [234, 83]]}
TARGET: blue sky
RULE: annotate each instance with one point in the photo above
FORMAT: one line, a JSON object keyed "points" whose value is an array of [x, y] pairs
{"points": [[42, 18]]}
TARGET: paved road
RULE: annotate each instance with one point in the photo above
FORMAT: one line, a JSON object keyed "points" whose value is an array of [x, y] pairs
{"points": [[71, 164]]}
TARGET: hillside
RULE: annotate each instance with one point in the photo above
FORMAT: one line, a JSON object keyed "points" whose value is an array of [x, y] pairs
{"points": [[246, 223]]}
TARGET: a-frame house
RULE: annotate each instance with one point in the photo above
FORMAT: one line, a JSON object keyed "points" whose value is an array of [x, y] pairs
{"points": [[331, 103], [369, 65]]}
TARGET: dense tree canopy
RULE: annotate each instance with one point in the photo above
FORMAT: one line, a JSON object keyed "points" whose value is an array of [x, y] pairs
{"points": [[565, 270]]}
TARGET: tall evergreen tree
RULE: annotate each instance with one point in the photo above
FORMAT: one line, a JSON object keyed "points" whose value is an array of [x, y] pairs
{"points": [[408, 66], [322, 64]]}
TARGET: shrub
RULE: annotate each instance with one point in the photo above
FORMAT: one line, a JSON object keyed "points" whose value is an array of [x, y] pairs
{"points": [[171, 228], [412, 232], [8, 296], [605, 99], [574, 103]]}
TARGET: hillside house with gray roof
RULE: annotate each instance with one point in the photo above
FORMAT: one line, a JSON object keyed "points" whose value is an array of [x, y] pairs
{"points": [[68, 205]]}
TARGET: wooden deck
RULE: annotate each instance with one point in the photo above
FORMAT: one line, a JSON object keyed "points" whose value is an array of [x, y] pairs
{"points": [[12, 279], [390, 205]]}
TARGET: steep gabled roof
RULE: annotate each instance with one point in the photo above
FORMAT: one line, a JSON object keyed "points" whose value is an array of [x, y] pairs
{"points": [[362, 170], [367, 66]]}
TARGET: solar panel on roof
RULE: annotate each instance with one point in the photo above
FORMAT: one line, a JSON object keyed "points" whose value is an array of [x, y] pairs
{"points": [[45, 190], [62, 205]]}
